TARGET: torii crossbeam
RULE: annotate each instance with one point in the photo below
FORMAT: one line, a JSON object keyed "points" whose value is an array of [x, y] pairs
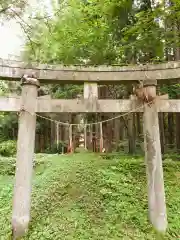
{"points": [[31, 104]]}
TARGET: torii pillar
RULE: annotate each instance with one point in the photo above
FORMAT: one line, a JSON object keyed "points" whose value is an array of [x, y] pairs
{"points": [[153, 158], [25, 153]]}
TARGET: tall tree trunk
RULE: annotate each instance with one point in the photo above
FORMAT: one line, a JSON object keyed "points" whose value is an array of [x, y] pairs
{"points": [[170, 129], [117, 125], [132, 133], [37, 142], [178, 132], [177, 57], [52, 133], [138, 124], [162, 133]]}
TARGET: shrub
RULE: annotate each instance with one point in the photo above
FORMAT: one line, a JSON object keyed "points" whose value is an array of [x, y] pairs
{"points": [[7, 166], [8, 148], [57, 149]]}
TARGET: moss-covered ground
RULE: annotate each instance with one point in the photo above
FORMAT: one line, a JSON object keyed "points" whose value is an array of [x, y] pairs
{"points": [[84, 196]]}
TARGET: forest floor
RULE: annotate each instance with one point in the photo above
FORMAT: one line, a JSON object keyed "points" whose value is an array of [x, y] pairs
{"points": [[84, 196]]}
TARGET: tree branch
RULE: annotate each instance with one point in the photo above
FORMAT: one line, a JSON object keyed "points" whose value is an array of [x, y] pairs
{"points": [[4, 9]]}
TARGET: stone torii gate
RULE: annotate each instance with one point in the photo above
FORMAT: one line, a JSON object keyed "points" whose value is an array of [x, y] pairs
{"points": [[29, 104]]}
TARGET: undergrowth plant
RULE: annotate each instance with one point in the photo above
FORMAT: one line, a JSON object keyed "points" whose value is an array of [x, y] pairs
{"points": [[84, 196]]}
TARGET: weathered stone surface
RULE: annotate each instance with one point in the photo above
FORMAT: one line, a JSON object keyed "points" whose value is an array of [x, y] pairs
{"points": [[91, 102], [24, 163], [114, 106], [14, 70], [48, 105], [90, 96], [29, 80], [154, 169]]}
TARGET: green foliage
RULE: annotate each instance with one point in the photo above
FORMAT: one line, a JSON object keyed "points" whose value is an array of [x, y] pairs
{"points": [[83, 196], [172, 156], [66, 91], [82, 32], [112, 32], [78, 36], [8, 148], [8, 165], [3, 88], [115, 32], [144, 38], [172, 90], [61, 147], [8, 123]]}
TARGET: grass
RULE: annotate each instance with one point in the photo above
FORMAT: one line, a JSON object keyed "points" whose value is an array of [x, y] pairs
{"points": [[84, 196]]}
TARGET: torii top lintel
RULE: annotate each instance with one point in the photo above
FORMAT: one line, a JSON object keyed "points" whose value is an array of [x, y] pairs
{"points": [[13, 70]]}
